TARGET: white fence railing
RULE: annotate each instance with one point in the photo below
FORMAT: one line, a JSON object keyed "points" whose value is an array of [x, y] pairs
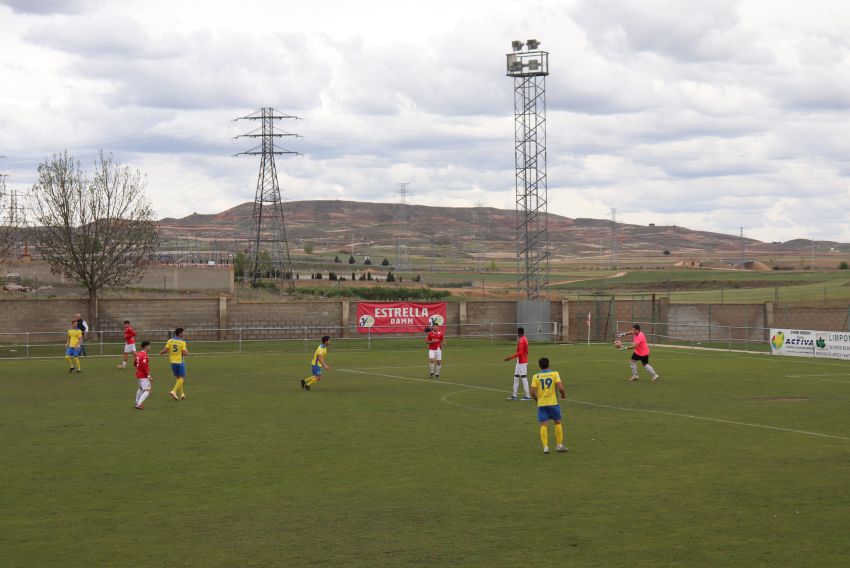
{"points": [[28, 344], [703, 335]]}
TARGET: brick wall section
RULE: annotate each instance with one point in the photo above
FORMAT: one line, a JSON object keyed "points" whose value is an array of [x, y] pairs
{"points": [[491, 317], [318, 317], [821, 319]]}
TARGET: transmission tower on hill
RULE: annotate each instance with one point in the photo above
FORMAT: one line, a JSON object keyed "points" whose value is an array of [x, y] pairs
{"points": [[529, 67], [401, 257], [268, 247]]}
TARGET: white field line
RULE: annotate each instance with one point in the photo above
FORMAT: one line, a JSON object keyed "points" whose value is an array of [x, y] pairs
{"points": [[608, 406], [445, 398]]}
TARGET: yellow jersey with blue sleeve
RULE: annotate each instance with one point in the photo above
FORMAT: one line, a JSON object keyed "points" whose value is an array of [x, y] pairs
{"points": [[175, 347], [321, 351], [74, 337], [546, 384]]}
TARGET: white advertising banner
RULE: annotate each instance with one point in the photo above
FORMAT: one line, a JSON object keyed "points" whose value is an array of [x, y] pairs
{"points": [[809, 343]]}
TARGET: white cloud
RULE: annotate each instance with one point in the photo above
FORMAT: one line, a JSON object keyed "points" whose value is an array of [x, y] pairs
{"points": [[708, 114]]}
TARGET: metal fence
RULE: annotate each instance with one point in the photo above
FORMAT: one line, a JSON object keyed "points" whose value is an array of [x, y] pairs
{"points": [[704, 335], [31, 344]]}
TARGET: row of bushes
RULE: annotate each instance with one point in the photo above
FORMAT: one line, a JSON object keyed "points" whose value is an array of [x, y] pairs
{"points": [[377, 293]]}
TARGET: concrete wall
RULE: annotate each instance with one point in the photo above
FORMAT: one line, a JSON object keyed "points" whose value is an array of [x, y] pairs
{"points": [[157, 277], [468, 318]]}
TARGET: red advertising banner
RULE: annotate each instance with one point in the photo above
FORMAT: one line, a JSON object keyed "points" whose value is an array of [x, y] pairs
{"points": [[398, 317]]}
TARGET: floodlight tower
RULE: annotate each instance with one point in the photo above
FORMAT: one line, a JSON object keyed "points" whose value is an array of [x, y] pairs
{"points": [[268, 226], [529, 66], [401, 258], [613, 237]]}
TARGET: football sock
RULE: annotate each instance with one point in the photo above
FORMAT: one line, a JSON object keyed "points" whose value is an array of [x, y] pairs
{"points": [[77, 362], [143, 396], [516, 384], [438, 367], [649, 368], [633, 365], [312, 381], [525, 384], [544, 435], [178, 387], [559, 434], [138, 394], [431, 367]]}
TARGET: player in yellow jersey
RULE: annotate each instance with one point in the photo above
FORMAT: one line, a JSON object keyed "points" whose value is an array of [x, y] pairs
{"points": [[72, 347], [543, 386], [318, 363], [176, 349]]}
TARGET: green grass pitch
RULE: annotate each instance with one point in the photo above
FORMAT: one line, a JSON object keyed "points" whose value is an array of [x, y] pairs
{"points": [[730, 460]]}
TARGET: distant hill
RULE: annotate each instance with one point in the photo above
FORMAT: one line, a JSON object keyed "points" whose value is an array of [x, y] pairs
{"points": [[334, 224]]}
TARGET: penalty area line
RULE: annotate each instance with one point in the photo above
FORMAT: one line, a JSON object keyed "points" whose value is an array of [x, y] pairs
{"points": [[611, 407]]}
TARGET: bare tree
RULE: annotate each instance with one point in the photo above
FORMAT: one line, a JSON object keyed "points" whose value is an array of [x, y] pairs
{"points": [[99, 232]]}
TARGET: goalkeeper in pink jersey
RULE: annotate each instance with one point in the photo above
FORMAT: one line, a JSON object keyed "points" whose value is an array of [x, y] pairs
{"points": [[640, 352]]}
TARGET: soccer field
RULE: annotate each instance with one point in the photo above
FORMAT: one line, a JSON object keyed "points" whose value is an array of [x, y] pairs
{"points": [[729, 460]]}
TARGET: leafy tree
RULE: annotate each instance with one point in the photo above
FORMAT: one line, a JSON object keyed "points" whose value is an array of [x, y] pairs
{"points": [[309, 248], [351, 259], [666, 253], [385, 262], [492, 266], [337, 260], [368, 262], [390, 276], [843, 265], [98, 231]]}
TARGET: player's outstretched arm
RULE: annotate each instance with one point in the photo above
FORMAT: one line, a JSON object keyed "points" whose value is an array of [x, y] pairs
{"points": [[514, 356]]}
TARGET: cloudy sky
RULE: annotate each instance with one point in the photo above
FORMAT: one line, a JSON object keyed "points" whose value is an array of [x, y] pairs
{"points": [[711, 114]]}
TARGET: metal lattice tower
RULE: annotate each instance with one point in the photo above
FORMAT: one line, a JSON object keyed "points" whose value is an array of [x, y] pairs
{"points": [[613, 237], [529, 67], [401, 257], [268, 247]]}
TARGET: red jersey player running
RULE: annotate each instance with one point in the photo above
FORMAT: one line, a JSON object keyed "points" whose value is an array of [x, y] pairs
{"points": [[521, 369], [641, 353], [435, 341], [143, 374], [129, 343]]}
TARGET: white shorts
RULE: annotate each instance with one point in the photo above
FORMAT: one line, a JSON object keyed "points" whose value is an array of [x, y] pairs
{"points": [[435, 354], [521, 370], [145, 384], [130, 348]]}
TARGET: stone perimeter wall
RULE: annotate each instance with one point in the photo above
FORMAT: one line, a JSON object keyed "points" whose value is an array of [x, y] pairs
{"points": [[469, 318]]}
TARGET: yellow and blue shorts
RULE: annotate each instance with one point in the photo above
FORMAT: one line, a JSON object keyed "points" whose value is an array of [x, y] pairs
{"points": [[546, 413], [179, 369]]}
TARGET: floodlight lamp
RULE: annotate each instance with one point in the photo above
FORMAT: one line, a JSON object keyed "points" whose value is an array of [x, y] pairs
{"points": [[516, 45], [532, 44], [516, 67], [533, 65]]}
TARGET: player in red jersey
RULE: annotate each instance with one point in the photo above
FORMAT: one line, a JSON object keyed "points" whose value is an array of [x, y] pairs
{"points": [[143, 374], [521, 369], [640, 353], [129, 343], [435, 340]]}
